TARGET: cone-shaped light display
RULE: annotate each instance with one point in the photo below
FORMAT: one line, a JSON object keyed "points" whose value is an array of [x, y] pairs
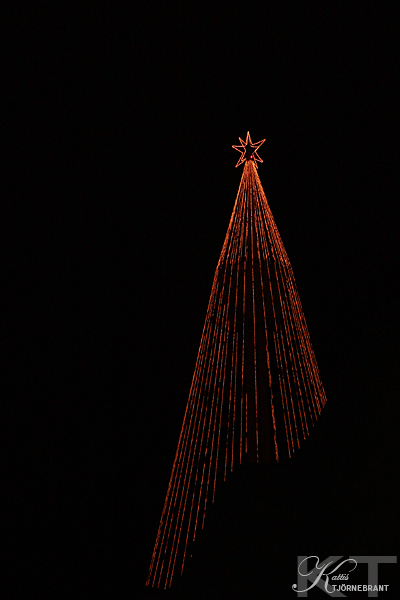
{"points": [[256, 390]]}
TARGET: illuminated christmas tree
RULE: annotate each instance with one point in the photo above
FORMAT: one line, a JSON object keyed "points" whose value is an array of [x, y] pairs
{"points": [[256, 390]]}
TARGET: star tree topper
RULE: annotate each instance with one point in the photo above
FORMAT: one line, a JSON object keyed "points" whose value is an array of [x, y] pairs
{"points": [[248, 150]]}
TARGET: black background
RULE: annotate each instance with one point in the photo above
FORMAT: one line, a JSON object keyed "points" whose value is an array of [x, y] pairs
{"points": [[125, 186]]}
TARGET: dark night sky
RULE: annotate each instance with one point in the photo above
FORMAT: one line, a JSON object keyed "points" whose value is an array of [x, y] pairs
{"points": [[129, 117]]}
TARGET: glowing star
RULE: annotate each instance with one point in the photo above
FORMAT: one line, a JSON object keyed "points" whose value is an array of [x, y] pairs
{"points": [[248, 150]]}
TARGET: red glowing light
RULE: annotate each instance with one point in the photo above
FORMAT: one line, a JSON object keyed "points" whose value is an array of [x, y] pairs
{"points": [[248, 150], [256, 390]]}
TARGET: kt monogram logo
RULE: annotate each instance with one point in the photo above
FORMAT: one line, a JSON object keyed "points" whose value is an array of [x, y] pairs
{"points": [[323, 569]]}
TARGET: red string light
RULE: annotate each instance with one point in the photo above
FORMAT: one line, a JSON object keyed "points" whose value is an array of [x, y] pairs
{"points": [[255, 371]]}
